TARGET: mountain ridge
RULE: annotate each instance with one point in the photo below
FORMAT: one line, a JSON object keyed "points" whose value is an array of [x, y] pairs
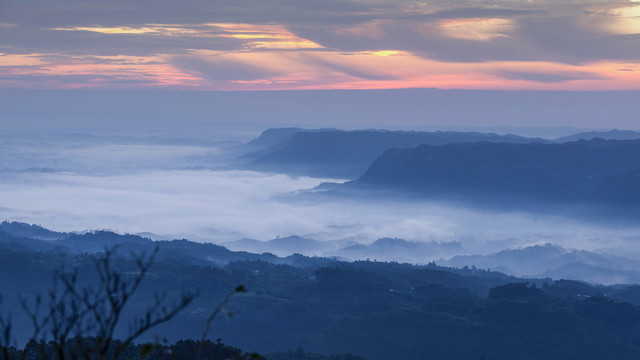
{"points": [[535, 171], [347, 154]]}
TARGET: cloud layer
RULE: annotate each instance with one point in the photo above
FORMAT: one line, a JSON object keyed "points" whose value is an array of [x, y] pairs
{"points": [[287, 44], [218, 206], [149, 188]]}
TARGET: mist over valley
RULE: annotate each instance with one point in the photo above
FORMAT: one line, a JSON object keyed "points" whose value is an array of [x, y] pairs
{"points": [[208, 191]]}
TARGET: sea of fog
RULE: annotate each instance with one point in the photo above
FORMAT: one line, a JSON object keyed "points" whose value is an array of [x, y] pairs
{"points": [[189, 191]]}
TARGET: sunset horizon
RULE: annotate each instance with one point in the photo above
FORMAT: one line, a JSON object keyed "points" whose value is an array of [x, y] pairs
{"points": [[509, 45]]}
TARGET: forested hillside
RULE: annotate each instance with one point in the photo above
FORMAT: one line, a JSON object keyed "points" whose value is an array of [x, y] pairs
{"points": [[375, 310]]}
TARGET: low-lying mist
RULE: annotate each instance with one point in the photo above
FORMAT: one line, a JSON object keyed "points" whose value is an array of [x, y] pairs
{"points": [[181, 191]]}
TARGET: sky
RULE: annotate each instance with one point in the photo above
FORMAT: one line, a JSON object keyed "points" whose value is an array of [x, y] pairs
{"points": [[320, 44]]}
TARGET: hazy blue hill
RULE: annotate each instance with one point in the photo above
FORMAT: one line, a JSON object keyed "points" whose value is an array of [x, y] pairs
{"points": [[208, 254], [12, 243], [177, 250], [271, 139], [530, 260], [542, 260], [252, 245], [384, 249], [577, 289], [302, 261], [347, 154], [21, 243], [621, 189], [281, 246], [497, 171], [556, 262], [400, 250], [97, 241], [37, 238], [32, 231], [597, 273], [293, 244], [607, 135]]}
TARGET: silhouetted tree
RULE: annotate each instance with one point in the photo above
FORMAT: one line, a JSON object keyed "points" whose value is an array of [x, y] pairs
{"points": [[72, 321]]}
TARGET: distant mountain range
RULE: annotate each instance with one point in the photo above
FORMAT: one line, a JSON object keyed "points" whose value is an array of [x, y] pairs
{"points": [[282, 246], [384, 249], [344, 154], [555, 262], [596, 170], [270, 140], [540, 261], [400, 250], [548, 260], [534, 261], [607, 135], [590, 168], [25, 237], [348, 154]]}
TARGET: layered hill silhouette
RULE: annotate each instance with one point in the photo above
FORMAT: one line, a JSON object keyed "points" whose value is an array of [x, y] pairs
{"points": [[383, 249], [595, 167], [582, 171], [375, 310], [400, 250], [607, 135], [548, 260], [345, 154], [282, 246], [554, 261]]}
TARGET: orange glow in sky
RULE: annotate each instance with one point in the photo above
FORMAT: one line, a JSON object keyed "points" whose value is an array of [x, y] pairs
{"points": [[279, 70], [477, 29], [271, 56], [264, 36]]}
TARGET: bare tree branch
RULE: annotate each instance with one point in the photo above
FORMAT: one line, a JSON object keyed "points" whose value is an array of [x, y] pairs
{"points": [[215, 313], [91, 315]]}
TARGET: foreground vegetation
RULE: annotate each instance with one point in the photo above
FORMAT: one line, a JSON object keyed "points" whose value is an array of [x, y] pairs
{"points": [[371, 309]]}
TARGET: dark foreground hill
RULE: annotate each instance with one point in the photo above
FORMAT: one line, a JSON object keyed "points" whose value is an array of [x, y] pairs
{"points": [[346, 154], [603, 171], [375, 310]]}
